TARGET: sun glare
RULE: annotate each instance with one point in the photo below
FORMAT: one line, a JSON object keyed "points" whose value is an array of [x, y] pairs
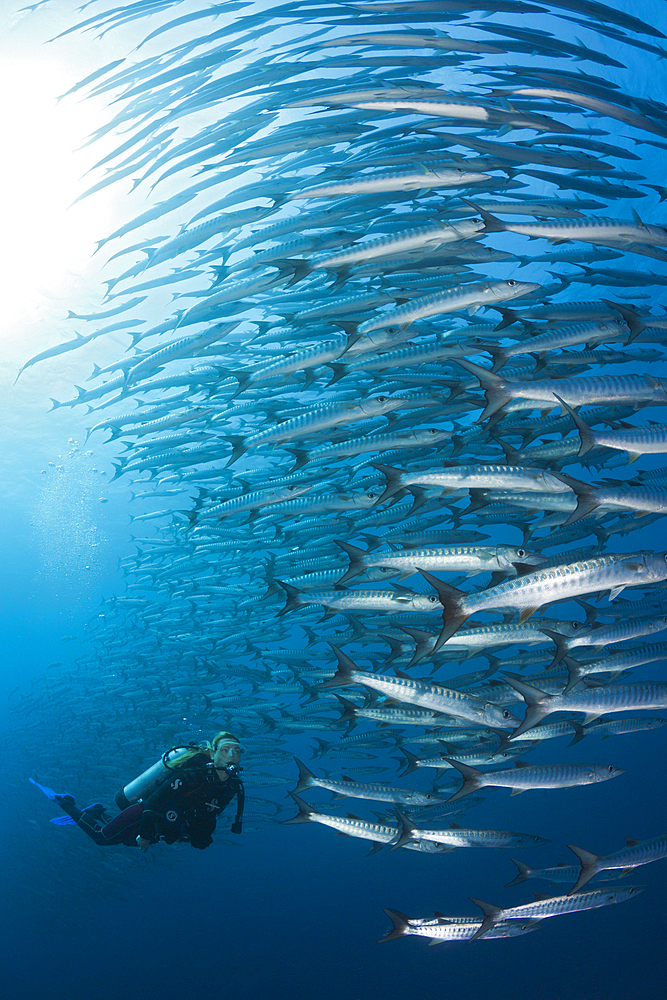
{"points": [[45, 244]]}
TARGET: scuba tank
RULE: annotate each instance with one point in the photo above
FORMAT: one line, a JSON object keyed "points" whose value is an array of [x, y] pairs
{"points": [[146, 783]]}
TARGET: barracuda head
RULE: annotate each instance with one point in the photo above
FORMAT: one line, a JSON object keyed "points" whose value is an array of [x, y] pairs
{"points": [[602, 772], [501, 718]]}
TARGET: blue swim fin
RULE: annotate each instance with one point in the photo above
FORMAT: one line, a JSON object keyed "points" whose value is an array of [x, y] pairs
{"points": [[50, 794]]}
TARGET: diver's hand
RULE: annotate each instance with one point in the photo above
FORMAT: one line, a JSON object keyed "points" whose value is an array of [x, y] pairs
{"points": [[143, 844]]}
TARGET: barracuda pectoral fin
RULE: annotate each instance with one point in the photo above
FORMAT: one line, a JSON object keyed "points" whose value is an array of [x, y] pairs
{"points": [[526, 614], [517, 791], [589, 867]]}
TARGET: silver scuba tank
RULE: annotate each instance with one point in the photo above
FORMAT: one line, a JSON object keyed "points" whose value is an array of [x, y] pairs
{"points": [[146, 783]]}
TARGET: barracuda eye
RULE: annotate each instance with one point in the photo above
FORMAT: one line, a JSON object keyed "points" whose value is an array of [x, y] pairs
{"points": [[611, 768], [381, 399], [372, 496], [432, 430], [507, 714], [576, 625], [433, 600], [385, 569], [511, 283], [428, 795], [521, 553]]}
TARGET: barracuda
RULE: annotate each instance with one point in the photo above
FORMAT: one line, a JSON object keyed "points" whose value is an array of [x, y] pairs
{"points": [[527, 777], [591, 390], [378, 833], [460, 298], [593, 702], [453, 559], [653, 653], [464, 929], [555, 906], [472, 477], [433, 696], [354, 789], [600, 635], [637, 853], [405, 242], [405, 181], [531, 592], [458, 836]]}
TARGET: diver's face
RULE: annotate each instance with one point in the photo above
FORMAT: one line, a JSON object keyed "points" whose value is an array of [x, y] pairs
{"points": [[227, 753]]}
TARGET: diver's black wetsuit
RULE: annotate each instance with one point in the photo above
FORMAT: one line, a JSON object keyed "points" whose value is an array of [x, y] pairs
{"points": [[184, 807]]}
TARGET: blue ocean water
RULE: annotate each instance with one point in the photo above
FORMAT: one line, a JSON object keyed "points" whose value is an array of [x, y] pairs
{"points": [[285, 910]]}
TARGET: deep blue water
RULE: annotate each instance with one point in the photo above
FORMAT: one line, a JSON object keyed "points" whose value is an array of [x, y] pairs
{"points": [[287, 910]]}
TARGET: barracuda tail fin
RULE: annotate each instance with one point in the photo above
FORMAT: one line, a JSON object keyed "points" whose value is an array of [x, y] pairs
{"points": [[423, 640], [348, 713], [495, 387], [306, 777], [393, 477], [576, 672], [635, 322], [343, 675], [356, 557], [453, 616], [292, 594], [587, 440], [492, 915], [585, 493], [524, 872], [412, 762], [561, 642], [400, 924], [536, 700], [304, 814], [406, 831], [590, 866], [472, 779]]}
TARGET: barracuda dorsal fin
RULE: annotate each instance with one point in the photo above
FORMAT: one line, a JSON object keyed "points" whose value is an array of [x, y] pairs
{"points": [[589, 867], [631, 842]]}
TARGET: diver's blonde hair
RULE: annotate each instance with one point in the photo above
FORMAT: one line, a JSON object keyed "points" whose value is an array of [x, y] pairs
{"points": [[209, 748]]}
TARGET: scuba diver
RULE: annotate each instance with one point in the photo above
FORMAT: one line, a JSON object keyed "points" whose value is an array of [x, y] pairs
{"points": [[177, 799]]}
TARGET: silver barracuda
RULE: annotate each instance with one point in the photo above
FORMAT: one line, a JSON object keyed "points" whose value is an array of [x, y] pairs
{"points": [[639, 390], [615, 663], [376, 793], [473, 477], [464, 929], [593, 702], [432, 696], [635, 440], [379, 834], [526, 777], [460, 298], [554, 906], [556, 583], [635, 854], [408, 181], [339, 599], [457, 836], [453, 558]]}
